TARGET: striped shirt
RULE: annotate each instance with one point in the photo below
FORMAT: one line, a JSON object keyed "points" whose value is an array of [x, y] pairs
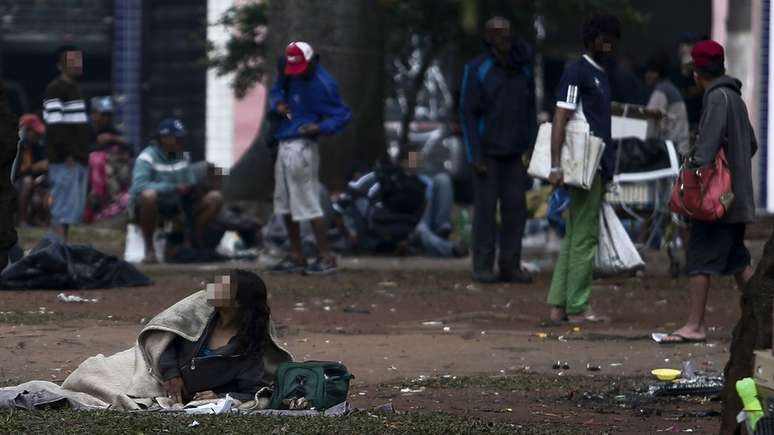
{"points": [[68, 131]]}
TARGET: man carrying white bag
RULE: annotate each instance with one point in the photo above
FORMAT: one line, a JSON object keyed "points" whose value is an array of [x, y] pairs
{"points": [[582, 126]]}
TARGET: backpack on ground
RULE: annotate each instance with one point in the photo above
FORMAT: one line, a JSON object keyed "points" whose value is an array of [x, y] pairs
{"points": [[323, 384], [399, 191]]}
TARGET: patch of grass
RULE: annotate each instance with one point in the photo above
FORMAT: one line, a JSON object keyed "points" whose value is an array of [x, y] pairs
{"points": [[36, 317], [74, 422]]}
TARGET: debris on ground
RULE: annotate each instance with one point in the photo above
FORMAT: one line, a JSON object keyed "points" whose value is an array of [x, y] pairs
{"points": [[61, 297], [593, 367]]}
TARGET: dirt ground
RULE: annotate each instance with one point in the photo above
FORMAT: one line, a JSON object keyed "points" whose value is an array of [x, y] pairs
{"points": [[419, 334]]}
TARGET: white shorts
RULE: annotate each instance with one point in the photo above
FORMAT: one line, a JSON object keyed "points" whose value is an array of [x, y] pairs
{"points": [[296, 180]]}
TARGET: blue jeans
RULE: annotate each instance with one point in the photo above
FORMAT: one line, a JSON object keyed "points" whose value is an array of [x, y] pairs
{"points": [[433, 230], [68, 192]]}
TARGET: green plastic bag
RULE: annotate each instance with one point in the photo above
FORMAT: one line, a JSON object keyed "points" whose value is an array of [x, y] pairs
{"points": [[322, 383]]}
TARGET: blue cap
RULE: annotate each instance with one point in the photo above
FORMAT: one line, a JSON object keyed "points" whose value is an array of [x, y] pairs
{"points": [[102, 105], [172, 127]]}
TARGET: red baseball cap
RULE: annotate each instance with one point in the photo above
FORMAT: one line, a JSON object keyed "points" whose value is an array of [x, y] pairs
{"points": [[33, 122], [297, 57], [705, 53]]}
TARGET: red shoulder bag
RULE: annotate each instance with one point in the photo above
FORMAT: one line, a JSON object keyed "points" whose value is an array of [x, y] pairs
{"points": [[705, 193]]}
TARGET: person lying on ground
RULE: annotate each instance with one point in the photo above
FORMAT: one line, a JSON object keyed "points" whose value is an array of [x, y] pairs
{"points": [[214, 342], [163, 188], [227, 358], [31, 167]]}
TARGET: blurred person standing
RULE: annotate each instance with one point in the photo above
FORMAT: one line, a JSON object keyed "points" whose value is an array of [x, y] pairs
{"points": [[717, 248], [32, 165], [497, 111], [306, 98], [9, 146], [583, 87], [67, 137], [667, 101]]}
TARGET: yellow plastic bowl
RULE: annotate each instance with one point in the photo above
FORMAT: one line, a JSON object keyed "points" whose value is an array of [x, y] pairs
{"points": [[666, 374]]}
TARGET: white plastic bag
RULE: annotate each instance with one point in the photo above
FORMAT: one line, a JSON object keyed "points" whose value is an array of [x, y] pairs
{"points": [[580, 155], [616, 253], [134, 251]]}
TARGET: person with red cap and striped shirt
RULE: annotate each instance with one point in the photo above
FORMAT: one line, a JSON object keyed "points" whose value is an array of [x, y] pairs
{"points": [[717, 248], [306, 98]]}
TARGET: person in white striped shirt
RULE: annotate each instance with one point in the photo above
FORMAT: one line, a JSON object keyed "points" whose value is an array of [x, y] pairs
{"points": [[67, 137]]}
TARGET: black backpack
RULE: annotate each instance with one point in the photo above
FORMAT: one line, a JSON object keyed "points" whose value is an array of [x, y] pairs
{"points": [[399, 191]]}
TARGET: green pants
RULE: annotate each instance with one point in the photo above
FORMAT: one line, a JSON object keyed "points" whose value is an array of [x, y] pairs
{"points": [[571, 284]]}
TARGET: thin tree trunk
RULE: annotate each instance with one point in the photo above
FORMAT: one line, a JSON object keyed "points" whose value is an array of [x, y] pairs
{"points": [[752, 332]]}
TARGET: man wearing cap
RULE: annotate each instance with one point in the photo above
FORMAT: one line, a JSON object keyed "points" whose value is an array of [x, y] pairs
{"points": [[31, 166], [717, 248], [105, 133], [163, 187], [307, 99], [67, 137]]}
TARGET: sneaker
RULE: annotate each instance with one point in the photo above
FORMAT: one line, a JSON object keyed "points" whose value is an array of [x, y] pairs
{"points": [[516, 277], [287, 265], [484, 277], [322, 266]]}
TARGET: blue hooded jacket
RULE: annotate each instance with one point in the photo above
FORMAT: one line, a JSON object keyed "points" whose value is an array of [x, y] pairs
{"points": [[314, 100]]}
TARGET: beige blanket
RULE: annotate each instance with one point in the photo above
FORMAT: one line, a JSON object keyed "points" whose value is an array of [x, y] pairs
{"points": [[130, 380]]}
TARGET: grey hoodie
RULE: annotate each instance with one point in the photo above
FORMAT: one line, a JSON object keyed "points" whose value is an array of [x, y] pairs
{"points": [[724, 118]]}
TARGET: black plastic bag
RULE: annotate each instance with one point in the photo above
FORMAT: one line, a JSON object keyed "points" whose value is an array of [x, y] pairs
{"points": [[56, 266]]}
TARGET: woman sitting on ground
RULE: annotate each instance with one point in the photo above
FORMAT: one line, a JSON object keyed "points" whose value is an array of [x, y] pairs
{"points": [[227, 358]]}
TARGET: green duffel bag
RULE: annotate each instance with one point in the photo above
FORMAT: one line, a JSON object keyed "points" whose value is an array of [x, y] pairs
{"points": [[322, 384]]}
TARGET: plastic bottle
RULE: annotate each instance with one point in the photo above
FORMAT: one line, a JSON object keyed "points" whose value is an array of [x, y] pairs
{"points": [[752, 406]]}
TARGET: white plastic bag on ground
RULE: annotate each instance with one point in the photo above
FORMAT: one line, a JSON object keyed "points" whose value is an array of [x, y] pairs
{"points": [[616, 252], [134, 251]]}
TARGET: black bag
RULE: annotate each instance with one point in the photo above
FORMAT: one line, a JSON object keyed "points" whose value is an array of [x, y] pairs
{"points": [[399, 191]]}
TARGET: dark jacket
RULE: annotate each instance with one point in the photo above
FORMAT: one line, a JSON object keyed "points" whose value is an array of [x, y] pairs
{"points": [[725, 122], [8, 150], [497, 105], [224, 370]]}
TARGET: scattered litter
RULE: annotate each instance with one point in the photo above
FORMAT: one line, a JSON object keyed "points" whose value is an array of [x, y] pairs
{"points": [[409, 390], [354, 310], [483, 332], [143, 321], [658, 337], [576, 329], [506, 410], [194, 424], [388, 284], [362, 393], [71, 298], [559, 365], [616, 364], [661, 302], [446, 329], [541, 334], [300, 308], [392, 310], [392, 368], [473, 288], [593, 368], [109, 317], [432, 323], [327, 308], [530, 267], [561, 338]]}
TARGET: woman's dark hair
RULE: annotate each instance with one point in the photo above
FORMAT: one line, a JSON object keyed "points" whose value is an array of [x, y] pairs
{"points": [[253, 310], [659, 63], [600, 24]]}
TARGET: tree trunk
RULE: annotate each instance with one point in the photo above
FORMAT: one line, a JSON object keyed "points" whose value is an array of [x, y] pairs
{"points": [[752, 332], [350, 42]]}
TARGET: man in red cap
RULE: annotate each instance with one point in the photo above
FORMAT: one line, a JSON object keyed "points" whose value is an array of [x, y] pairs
{"points": [[717, 248], [306, 98], [31, 166]]}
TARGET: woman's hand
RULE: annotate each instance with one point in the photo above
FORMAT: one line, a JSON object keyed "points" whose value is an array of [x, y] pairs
{"points": [[205, 395], [174, 389]]}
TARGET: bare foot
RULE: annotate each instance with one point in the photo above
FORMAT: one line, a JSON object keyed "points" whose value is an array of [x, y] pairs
{"points": [[686, 334], [150, 258], [558, 314], [589, 316]]}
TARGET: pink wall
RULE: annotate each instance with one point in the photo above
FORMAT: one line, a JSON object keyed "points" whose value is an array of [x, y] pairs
{"points": [[248, 115]]}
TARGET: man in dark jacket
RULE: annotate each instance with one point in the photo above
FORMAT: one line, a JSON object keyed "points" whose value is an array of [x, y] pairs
{"points": [[717, 248], [497, 110]]}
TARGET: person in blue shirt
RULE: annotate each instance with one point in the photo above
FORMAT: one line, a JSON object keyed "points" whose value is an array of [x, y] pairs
{"points": [[584, 90], [498, 116], [306, 98]]}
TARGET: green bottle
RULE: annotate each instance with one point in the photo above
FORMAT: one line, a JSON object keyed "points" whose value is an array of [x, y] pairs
{"points": [[752, 406]]}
